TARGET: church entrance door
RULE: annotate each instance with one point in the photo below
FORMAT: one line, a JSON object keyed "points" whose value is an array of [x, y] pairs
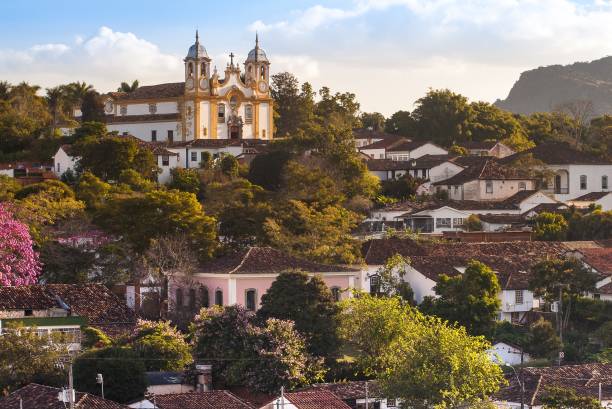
{"points": [[234, 132]]}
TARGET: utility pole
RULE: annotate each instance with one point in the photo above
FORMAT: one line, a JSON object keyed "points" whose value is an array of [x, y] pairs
{"points": [[522, 381], [70, 386], [366, 395]]}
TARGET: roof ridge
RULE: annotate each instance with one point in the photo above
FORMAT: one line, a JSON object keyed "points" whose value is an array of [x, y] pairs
{"points": [[244, 258]]}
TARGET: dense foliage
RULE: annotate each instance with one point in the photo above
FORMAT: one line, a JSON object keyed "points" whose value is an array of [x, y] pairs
{"points": [[19, 263], [161, 346]]}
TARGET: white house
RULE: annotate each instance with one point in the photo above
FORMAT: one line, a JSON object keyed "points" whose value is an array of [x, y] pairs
{"points": [[437, 220], [307, 399], [575, 173], [602, 199], [63, 160], [378, 149], [486, 179], [504, 353], [406, 150], [364, 137], [488, 148]]}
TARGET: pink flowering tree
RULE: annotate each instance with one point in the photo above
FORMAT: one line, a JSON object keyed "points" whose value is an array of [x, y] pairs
{"points": [[19, 263]]}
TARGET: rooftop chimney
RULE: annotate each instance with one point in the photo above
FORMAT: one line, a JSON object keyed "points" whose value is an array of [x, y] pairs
{"points": [[204, 378]]}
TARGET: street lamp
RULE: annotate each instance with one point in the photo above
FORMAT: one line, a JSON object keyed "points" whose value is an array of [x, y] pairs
{"points": [[100, 380]]}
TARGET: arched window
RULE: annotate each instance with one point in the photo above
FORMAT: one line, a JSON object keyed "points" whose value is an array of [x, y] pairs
{"points": [[522, 186], [250, 69], [250, 299], [179, 298], [335, 293], [190, 69], [203, 69], [221, 113], [583, 182], [248, 113], [204, 302], [263, 73], [192, 299], [218, 297]]}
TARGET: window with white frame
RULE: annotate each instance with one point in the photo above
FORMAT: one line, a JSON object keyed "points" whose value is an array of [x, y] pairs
{"points": [[153, 135], [458, 221], [165, 160], [518, 297], [194, 156], [443, 222], [522, 186], [583, 182], [604, 182], [489, 186]]}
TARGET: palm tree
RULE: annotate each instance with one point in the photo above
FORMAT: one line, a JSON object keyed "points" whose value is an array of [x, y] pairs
{"points": [[125, 87], [55, 101], [75, 92], [5, 90], [24, 96]]}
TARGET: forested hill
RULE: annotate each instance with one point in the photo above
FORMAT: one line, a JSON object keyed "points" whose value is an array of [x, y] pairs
{"points": [[545, 88]]}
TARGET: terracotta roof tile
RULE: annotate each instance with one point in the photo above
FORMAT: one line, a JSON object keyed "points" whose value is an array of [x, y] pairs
{"points": [[168, 90], [350, 390], [218, 399], [27, 297], [489, 169], [559, 154], [583, 379], [315, 399], [46, 397], [264, 260], [591, 197], [599, 258]]}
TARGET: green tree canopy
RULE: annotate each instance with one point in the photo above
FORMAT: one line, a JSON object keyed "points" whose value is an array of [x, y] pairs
{"points": [[306, 301], [161, 346], [550, 227], [470, 299], [410, 354], [263, 358], [26, 357], [373, 120], [123, 372], [92, 107], [543, 340], [401, 123], [564, 398]]}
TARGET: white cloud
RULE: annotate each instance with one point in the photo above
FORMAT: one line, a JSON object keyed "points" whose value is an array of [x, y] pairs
{"points": [[304, 67], [104, 60]]}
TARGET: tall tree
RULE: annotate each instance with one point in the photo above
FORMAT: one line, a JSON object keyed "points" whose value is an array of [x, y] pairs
{"points": [[444, 117], [124, 374], [19, 263], [469, 299], [161, 346], [409, 354], [127, 87], [306, 301], [55, 102], [373, 120], [92, 108], [294, 106], [401, 123], [26, 357], [263, 358]]}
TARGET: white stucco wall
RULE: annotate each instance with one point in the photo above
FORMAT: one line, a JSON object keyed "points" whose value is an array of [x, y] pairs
{"points": [[593, 173], [502, 353], [62, 162], [143, 130]]}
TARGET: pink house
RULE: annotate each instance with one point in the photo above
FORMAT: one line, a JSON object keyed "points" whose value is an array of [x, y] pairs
{"points": [[243, 277]]}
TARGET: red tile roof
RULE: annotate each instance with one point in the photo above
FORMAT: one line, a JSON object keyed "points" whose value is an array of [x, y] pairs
{"points": [[168, 90], [264, 260], [315, 399], [599, 258], [591, 197], [201, 400], [27, 297], [488, 169], [350, 390], [583, 379], [35, 396]]}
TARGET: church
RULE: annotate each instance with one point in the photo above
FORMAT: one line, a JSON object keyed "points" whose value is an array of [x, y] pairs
{"points": [[203, 106]]}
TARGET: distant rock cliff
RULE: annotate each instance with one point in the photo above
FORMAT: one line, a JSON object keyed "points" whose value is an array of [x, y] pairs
{"points": [[543, 89]]}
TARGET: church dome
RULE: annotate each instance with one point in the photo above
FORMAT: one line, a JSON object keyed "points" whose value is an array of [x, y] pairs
{"points": [[201, 51], [257, 54]]}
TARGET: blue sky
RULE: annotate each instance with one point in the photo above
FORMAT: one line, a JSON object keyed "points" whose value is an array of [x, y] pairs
{"points": [[389, 52]]}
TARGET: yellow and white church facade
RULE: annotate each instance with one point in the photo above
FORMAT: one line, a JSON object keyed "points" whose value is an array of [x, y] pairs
{"points": [[203, 106]]}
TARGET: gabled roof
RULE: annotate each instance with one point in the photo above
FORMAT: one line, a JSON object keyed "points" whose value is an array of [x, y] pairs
{"points": [[265, 260], [584, 379], [502, 218], [488, 169], [386, 143], [27, 297], [46, 397], [218, 399], [488, 145], [599, 258], [557, 153], [95, 302], [408, 145], [591, 197], [167, 90], [315, 399], [351, 389]]}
